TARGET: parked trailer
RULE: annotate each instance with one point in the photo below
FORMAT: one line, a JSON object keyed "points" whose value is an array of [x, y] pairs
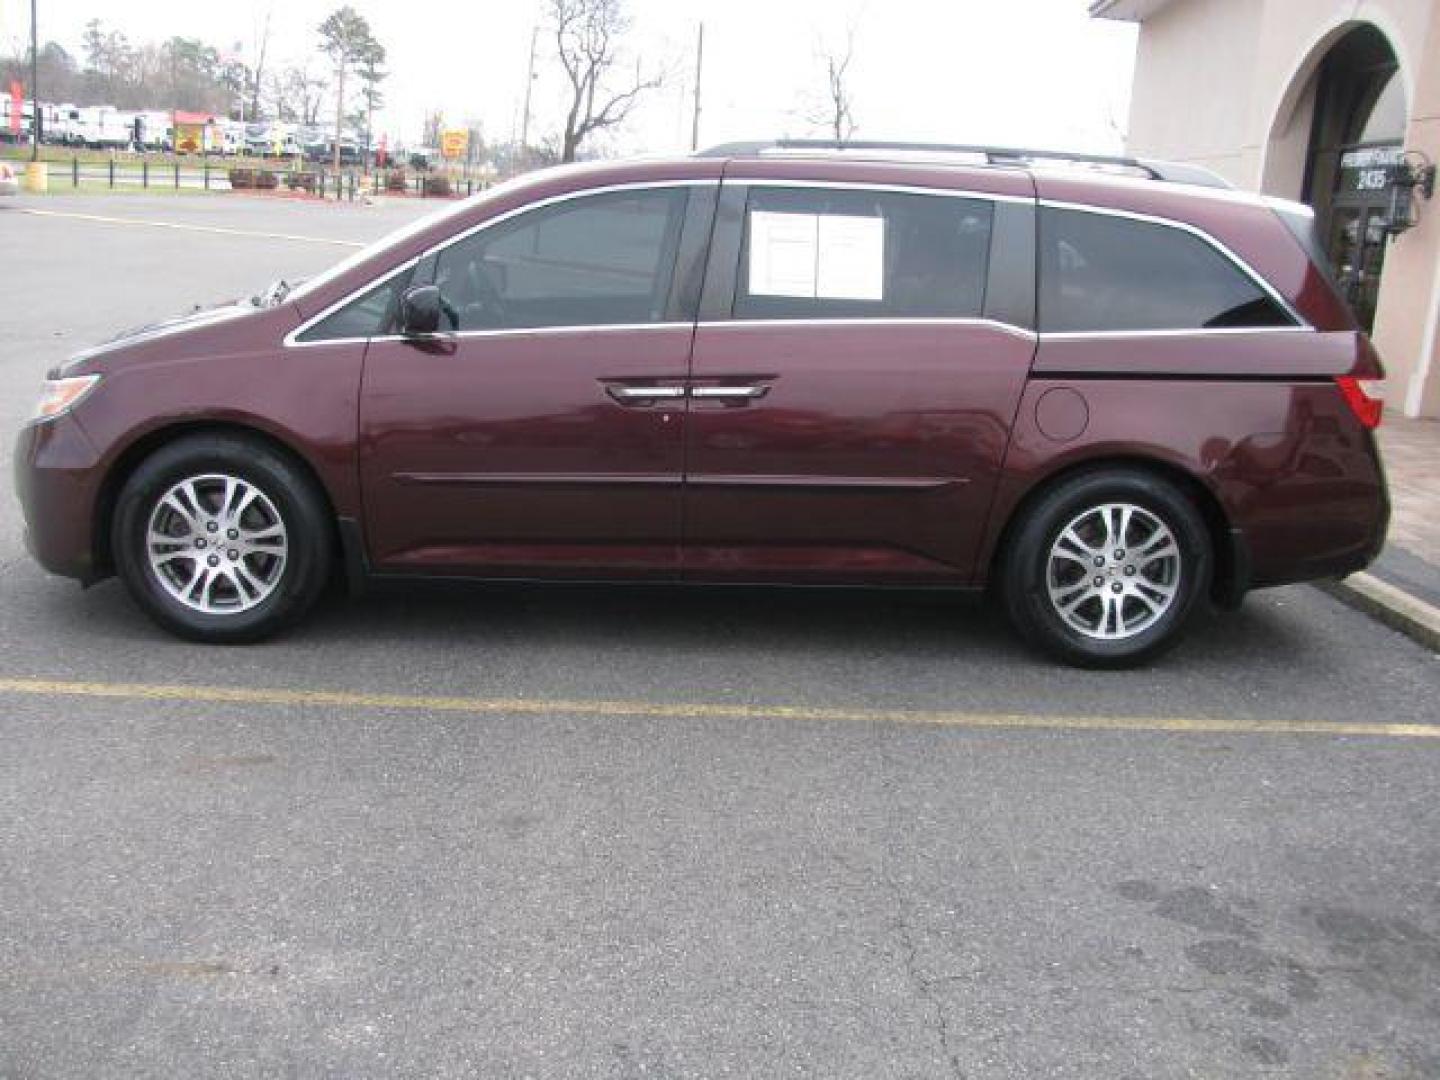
{"points": [[153, 130], [104, 127], [282, 140], [232, 137]]}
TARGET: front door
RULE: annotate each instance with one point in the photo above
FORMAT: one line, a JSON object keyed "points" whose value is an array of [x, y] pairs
{"points": [[545, 435], [851, 403]]}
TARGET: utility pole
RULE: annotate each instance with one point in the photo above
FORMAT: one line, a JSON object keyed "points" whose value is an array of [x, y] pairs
{"points": [[36, 124], [339, 114], [699, 59], [529, 84]]}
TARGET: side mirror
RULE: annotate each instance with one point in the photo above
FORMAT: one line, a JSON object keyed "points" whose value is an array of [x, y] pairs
{"points": [[420, 308]]}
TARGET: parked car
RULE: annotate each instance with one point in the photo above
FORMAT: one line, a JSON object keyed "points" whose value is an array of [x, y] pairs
{"points": [[321, 150], [1110, 392], [9, 182]]}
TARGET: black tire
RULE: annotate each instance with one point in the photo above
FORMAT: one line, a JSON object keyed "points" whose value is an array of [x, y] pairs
{"points": [[1026, 574], [308, 531]]}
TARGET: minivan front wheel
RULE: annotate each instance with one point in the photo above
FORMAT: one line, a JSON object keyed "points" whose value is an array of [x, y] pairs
{"points": [[220, 538], [1106, 569]]}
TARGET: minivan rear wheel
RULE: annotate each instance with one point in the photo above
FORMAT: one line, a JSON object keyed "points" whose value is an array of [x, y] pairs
{"points": [[1106, 568], [221, 538]]}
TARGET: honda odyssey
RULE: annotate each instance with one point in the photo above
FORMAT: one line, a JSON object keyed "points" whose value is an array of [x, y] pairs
{"points": [[1109, 390]]}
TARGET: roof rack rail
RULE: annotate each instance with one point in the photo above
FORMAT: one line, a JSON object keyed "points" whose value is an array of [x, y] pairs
{"points": [[1167, 171]]}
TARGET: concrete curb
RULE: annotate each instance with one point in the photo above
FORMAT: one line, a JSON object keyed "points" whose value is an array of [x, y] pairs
{"points": [[1394, 607]]}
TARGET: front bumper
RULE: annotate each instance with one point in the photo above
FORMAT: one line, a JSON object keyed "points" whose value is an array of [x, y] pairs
{"points": [[57, 477]]}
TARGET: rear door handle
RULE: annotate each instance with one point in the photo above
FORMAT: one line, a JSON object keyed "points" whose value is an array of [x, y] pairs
{"points": [[729, 393]]}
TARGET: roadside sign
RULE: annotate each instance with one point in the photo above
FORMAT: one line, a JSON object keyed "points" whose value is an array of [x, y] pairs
{"points": [[17, 105], [454, 143]]}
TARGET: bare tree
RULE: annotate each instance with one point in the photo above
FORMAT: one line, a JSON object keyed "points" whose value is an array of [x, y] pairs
{"points": [[588, 36], [836, 114], [262, 46]]}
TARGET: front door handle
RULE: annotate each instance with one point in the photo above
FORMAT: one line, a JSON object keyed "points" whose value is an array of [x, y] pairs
{"points": [[639, 395]]}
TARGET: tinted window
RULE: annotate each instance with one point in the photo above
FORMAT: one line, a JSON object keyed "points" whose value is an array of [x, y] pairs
{"points": [[370, 314], [822, 253], [600, 259], [1105, 273]]}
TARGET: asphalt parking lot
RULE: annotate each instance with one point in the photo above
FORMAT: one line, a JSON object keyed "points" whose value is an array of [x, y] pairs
{"points": [[573, 832]]}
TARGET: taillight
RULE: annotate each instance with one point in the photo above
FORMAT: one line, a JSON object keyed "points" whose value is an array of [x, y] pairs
{"points": [[1364, 398]]}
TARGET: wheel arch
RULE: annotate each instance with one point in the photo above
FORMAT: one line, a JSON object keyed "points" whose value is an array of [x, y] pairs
{"points": [[148, 442], [1232, 564]]}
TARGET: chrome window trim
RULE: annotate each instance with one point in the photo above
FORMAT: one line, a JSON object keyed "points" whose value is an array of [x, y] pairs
{"points": [[884, 320], [719, 324], [860, 320], [507, 332], [1301, 323], [290, 342], [1203, 331]]}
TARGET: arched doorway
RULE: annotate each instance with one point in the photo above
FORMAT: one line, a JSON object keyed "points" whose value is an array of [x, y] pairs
{"points": [[1356, 140], [1357, 111]]}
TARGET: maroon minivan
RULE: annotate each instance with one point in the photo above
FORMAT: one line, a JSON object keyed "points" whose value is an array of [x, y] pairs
{"points": [[1111, 390]]}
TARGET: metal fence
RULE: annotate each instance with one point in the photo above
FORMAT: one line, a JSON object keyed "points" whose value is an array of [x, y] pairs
{"points": [[119, 173]]}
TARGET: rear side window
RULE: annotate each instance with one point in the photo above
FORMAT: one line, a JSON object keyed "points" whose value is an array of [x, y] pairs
{"points": [[827, 253], [1101, 273], [595, 260]]}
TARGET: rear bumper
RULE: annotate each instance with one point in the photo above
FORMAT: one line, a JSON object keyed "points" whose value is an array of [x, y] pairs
{"points": [[57, 477], [1327, 524]]}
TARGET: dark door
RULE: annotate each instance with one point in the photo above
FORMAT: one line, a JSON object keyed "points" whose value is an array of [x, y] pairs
{"points": [[544, 436], [1359, 215], [852, 403]]}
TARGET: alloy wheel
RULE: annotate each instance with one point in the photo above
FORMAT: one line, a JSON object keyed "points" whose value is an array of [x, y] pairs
{"points": [[1113, 571], [217, 544]]}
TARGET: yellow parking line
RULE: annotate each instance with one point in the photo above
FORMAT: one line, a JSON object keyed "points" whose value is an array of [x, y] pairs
{"points": [[106, 220], [339, 699]]}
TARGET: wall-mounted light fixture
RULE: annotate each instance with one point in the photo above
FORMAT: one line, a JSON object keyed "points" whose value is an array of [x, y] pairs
{"points": [[1406, 180]]}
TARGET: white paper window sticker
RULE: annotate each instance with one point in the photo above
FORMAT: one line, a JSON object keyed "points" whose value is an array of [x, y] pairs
{"points": [[851, 263], [817, 256], [783, 249]]}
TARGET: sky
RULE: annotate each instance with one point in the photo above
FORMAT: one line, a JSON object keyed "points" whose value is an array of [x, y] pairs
{"points": [[1007, 72]]}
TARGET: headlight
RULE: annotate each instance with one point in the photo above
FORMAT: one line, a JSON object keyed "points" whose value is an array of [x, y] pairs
{"points": [[61, 395]]}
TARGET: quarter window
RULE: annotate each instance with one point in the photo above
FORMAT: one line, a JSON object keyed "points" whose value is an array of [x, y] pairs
{"points": [[596, 260], [832, 253], [1101, 273], [366, 316]]}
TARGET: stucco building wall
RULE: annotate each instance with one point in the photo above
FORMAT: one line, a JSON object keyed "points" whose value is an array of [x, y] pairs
{"points": [[1230, 84]]}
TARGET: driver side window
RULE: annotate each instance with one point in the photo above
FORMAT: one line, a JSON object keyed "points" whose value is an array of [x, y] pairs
{"points": [[594, 260]]}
